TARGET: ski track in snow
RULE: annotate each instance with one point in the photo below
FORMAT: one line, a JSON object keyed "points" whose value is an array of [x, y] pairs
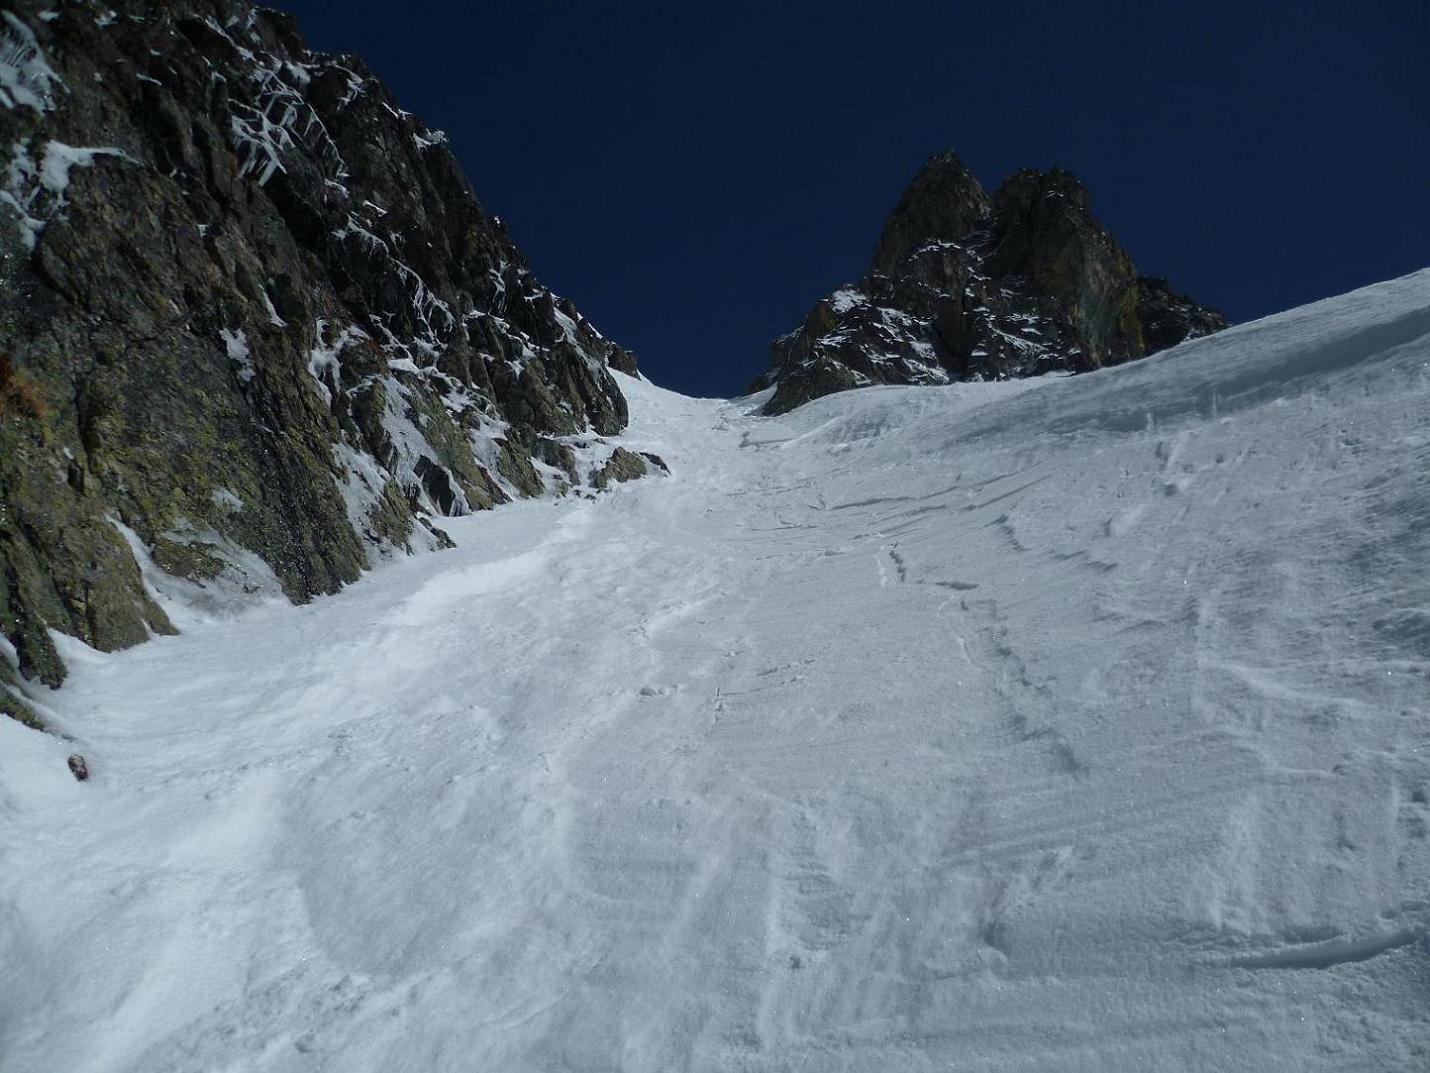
{"points": [[1077, 724]]}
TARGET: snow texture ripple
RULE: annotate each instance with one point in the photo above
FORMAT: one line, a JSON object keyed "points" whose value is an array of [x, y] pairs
{"points": [[1068, 724]]}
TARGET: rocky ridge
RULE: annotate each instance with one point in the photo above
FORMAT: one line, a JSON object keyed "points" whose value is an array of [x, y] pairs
{"points": [[964, 286], [256, 330]]}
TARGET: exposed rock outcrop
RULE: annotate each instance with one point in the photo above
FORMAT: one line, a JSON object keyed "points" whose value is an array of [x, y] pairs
{"points": [[623, 466], [964, 286], [256, 329]]}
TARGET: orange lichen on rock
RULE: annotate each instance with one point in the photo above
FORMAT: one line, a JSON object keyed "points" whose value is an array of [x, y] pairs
{"points": [[17, 392]]}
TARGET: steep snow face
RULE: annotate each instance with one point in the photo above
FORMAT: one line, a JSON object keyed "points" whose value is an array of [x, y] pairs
{"points": [[1063, 724]]}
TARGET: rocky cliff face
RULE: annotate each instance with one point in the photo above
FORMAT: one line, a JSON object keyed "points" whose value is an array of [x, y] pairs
{"points": [[256, 331], [964, 286]]}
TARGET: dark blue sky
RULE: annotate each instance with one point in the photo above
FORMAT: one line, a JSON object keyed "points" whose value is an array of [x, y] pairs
{"points": [[695, 177]]}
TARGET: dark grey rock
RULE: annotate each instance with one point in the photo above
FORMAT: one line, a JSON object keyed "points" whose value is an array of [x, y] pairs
{"points": [[11, 703], [264, 312], [622, 466], [942, 204], [1169, 318], [963, 286]]}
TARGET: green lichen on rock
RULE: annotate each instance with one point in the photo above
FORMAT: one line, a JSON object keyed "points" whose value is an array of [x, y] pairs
{"points": [[196, 560], [63, 563], [515, 465], [211, 314], [558, 456], [1045, 233], [452, 450], [391, 518], [11, 705], [623, 465]]}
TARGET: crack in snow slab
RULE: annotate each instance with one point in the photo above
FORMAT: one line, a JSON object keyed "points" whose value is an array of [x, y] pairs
{"points": [[1330, 953]]}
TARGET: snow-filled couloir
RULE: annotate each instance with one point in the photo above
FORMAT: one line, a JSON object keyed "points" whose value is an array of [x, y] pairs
{"points": [[1062, 724]]}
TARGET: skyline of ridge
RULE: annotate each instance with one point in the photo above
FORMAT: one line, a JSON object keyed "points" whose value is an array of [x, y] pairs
{"points": [[696, 179]]}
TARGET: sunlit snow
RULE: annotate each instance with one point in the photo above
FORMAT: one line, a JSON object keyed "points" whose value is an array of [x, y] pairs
{"points": [[1071, 724]]}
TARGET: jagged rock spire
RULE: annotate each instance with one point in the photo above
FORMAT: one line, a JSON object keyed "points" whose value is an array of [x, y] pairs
{"points": [[964, 286], [944, 202]]}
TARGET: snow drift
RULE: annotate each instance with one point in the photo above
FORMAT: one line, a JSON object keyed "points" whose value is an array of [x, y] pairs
{"points": [[1068, 724]]}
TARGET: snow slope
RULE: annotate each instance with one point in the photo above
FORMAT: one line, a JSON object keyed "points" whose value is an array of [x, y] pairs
{"points": [[1077, 724]]}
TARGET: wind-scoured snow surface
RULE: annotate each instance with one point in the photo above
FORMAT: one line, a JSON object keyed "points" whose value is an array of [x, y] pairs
{"points": [[1071, 724]]}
